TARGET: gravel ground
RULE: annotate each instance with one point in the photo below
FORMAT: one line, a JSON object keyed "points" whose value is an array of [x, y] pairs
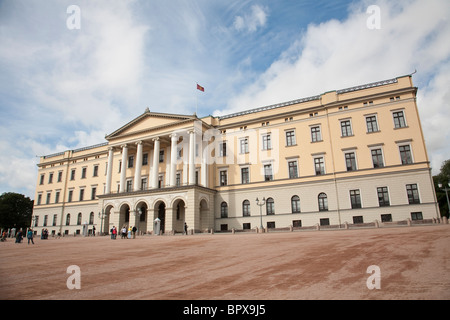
{"points": [[413, 264]]}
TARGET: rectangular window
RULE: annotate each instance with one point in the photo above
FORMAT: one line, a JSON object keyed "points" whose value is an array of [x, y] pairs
{"points": [[268, 176], [413, 193], [387, 217], [244, 145], [41, 181], [72, 174], [297, 223], [45, 220], [372, 124], [319, 166], [405, 154], [93, 193], [39, 199], [416, 216], [95, 174], [144, 184], [358, 219], [290, 138], [47, 201], [355, 198], [178, 180], [245, 175], [50, 178], [60, 176], [223, 149], [70, 196], [350, 161], [324, 222], [223, 178], [346, 128], [293, 170], [266, 142], [160, 181], [246, 226], [377, 158], [83, 173], [55, 218], [383, 196], [81, 194], [315, 134], [399, 119], [145, 159], [161, 156], [57, 197]]}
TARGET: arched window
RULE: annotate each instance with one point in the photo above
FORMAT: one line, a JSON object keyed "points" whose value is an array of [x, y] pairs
{"points": [[246, 208], [79, 218], [91, 218], [323, 202], [68, 219], [270, 206], [224, 210], [295, 204]]}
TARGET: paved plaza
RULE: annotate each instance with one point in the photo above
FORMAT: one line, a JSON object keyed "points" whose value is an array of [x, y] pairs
{"points": [[413, 263]]}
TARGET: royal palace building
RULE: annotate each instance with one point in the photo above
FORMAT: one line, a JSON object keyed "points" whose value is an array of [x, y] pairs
{"points": [[350, 156]]}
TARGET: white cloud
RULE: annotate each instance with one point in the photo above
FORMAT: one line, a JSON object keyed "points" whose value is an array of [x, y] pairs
{"points": [[339, 54], [252, 21]]}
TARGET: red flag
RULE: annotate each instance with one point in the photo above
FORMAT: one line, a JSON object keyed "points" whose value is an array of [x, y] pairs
{"points": [[199, 87]]}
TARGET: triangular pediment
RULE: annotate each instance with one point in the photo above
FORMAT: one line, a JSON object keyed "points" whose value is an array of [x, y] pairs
{"points": [[150, 121]]}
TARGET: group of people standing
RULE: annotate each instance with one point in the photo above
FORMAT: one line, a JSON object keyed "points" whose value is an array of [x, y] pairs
{"points": [[125, 233], [131, 231], [18, 235]]}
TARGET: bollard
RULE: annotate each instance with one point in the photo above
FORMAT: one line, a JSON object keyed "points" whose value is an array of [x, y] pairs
{"points": [[233, 230], [317, 226], [291, 228], [408, 222], [346, 225], [377, 225]]}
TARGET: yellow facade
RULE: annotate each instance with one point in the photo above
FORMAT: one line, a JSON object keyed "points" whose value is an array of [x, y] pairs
{"points": [[354, 155]]}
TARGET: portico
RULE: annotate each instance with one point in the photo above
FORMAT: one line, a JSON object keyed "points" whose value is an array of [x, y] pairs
{"points": [[157, 161]]}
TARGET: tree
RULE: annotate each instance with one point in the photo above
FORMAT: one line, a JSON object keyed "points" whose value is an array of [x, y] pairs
{"points": [[15, 210], [444, 178]]}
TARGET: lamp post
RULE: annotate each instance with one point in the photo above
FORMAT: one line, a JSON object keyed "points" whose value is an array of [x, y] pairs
{"points": [[446, 194], [260, 204], [102, 216]]}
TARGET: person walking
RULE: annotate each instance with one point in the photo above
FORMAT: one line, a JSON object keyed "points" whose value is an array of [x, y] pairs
{"points": [[124, 232], [185, 228], [134, 232], [129, 232], [30, 236], [19, 236]]}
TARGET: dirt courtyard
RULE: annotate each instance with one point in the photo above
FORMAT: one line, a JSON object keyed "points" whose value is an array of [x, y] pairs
{"points": [[413, 262]]}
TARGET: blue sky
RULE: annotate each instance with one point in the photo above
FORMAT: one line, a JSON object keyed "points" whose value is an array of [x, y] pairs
{"points": [[62, 89]]}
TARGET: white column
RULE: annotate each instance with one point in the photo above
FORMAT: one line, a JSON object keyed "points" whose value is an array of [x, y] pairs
{"points": [[137, 172], [155, 163], [123, 168], [173, 159], [191, 157], [204, 167], [109, 170]]}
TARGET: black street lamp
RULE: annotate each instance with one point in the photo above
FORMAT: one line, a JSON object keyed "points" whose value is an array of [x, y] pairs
{"points": [[260, 204]]}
